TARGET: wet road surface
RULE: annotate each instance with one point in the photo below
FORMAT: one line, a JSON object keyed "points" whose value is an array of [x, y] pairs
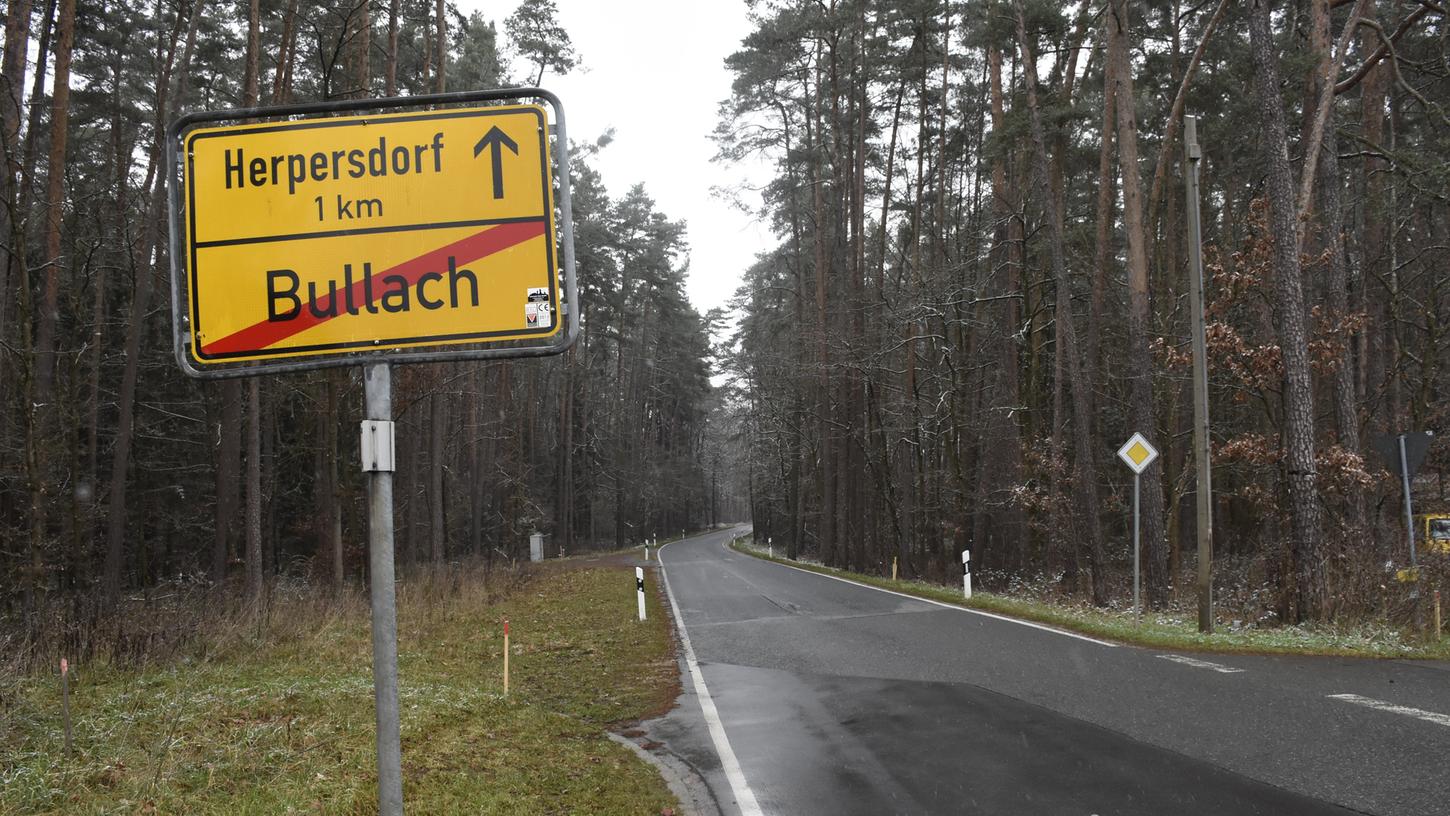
{"points": [[825, 697]]}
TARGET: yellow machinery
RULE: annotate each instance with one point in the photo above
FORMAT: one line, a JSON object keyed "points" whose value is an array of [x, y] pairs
{"points": [[1435, 533]]}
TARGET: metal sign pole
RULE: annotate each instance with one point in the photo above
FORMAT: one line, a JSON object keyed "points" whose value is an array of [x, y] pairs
{"points": [[378, 396], [1409, 509], [1137, 609], [1204, 492]]}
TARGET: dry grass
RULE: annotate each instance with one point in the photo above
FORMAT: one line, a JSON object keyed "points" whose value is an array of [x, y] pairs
{"points": [[1159, 630], [273, 714]]}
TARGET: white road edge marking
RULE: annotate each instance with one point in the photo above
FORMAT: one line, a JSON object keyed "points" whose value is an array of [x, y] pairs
{"points": [[1417, 713], [1200, 664], [744, 797], [1051, 629]]}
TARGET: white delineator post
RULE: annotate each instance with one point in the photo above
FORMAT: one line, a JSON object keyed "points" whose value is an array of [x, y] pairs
{"points": [[639, 589], [967, 574]]}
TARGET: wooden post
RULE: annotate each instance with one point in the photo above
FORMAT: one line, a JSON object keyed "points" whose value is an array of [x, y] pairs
{"points": [[1436, 638], [65, 696], [1203, 492], [505, 657]]}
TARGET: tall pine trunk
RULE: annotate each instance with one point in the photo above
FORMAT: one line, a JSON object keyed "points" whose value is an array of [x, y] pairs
{"points": [[142, 266], [1140, 357], [1310, 576], [1085, 487]]}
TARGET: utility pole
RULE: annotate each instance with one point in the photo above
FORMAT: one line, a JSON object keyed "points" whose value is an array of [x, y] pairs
{"points": [[1204, 494]]}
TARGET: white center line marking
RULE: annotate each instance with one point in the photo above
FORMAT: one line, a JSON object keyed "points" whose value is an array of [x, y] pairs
{"points": [[1417, 713], [1200, 664], [744, 797]]}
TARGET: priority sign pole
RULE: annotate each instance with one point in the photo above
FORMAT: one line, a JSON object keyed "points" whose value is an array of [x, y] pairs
{"points": [[1137, 453], [377, 447], [1137, 570]]}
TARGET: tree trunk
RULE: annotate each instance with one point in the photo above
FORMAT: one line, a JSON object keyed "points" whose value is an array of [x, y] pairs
{"points": [[332, 499], [364, 51], [39, 403], [442, 32], [1085, 481], [142, 266], [391, 69], [1140, 357], [228, 477], [255, 584], [1331, 243], [12, 100], [438, 422], [1310, 577], [1375, 242]]}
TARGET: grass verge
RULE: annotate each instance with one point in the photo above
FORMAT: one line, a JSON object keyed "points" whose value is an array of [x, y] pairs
{"points": [[286, 726], [1157, 630]]}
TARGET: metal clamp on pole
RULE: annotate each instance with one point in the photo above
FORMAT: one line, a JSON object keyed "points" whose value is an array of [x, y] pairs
{"points": [[378, 446]]}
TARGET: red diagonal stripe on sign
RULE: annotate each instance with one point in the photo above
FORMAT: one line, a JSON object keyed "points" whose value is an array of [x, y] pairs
{"points": [[494, 239]]}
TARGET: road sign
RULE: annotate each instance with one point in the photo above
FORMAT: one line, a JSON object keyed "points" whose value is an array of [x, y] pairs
{"points": [[1137, 453], [1403, 454], [322, 238], [305, 243], [1417, 447]]}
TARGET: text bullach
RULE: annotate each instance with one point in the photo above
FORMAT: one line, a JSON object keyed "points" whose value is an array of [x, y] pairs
{"points": [[393, 293]]}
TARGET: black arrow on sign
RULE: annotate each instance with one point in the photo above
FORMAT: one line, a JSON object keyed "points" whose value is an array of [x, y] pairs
{"points": [[498, 140]]}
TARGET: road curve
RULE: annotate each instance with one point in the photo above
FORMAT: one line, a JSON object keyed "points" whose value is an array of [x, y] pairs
{"points": [[833, 698]]}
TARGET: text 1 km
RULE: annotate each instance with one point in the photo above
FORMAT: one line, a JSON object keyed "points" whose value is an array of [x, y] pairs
{"points": [[349, 209]]}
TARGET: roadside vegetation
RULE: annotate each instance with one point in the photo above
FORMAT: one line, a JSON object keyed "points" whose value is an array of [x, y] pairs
{"points": [[980, 289], [1166, 629], [275, 715]]}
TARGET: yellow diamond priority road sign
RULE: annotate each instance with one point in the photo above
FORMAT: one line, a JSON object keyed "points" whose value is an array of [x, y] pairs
{"points": [[330, 236], [1137, 453]]}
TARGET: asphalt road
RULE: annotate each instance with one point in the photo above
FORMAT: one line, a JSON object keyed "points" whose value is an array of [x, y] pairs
{"points": [[825, 697]]}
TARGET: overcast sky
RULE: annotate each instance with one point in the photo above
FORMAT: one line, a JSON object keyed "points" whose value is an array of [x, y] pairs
{"points": [[654, 71]]}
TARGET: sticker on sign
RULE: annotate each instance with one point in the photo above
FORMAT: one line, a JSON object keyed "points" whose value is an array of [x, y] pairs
{"points": [[326, 237], [1137, 453]]}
